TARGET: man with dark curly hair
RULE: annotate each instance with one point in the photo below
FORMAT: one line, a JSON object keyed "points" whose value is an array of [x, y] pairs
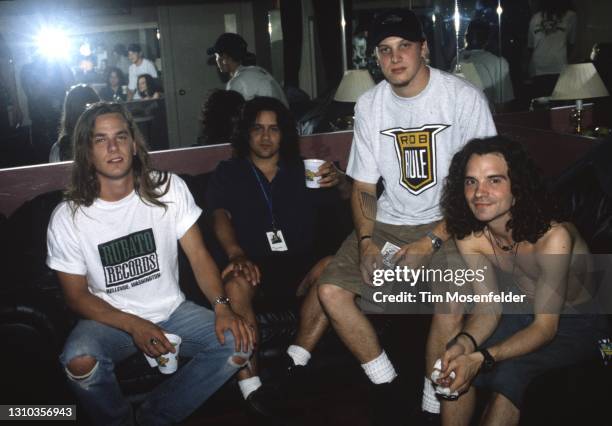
{"points": [[500, 217], [268, 248]]}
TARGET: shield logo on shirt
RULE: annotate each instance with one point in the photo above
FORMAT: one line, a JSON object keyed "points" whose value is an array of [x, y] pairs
{"points": [[416, 153]]}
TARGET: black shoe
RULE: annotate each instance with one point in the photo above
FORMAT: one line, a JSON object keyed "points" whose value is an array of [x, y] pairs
{"points": [[388, 404], [425, 418], [293, 379], [264, 402]]}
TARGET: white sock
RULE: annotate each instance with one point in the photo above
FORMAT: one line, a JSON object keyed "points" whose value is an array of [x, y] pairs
{"points": [[249, 385], [298, 354], [430, 403], [380, 370]]}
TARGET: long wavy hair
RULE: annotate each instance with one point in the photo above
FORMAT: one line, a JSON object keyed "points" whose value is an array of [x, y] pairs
{"points": [[220, 114], [533, 208], [151, 86], [289, 148], [77, 99], [84, 186]]}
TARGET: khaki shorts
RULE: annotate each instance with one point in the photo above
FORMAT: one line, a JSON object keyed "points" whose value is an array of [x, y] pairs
{"points": [[344, 271]]}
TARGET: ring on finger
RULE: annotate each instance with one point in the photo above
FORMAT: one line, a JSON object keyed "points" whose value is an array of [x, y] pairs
{"points": [[153, 341]]}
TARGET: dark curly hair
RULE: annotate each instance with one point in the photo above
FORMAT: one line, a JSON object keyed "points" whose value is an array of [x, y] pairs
{"points": [[531, 213], [219, 116], [289, 147]]}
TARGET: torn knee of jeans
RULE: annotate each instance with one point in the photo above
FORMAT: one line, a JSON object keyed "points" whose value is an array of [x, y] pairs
{"points": [[86, 359], [238, 361]]}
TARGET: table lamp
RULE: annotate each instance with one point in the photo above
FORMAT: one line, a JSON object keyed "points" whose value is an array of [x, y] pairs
{"points": [[354, 84], [578, 82]]}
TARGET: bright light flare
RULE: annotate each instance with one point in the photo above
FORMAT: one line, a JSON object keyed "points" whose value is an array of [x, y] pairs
{"points": [[457, 18], [85, 49], [53, 43], [499, 10], [433, 18]]}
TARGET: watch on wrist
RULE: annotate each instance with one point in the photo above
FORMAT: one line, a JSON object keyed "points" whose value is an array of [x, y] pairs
{"points": [[489, 362], [436, 242], [221, 300]]}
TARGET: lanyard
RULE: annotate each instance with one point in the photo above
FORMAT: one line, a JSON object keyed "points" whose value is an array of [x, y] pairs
{"points": [[265, 194]]}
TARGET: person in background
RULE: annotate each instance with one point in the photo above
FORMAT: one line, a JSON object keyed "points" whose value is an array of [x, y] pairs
{"points": [[493, 70], [10, 111], [230, 52], [220, 113], [147, 87], [77, 100], [45, 82], [140, 65], [119, 58], [113, 91], [551, 38]]}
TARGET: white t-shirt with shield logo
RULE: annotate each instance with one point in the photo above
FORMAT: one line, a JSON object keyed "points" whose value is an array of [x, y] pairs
{"points": [[410, 142], [127, 249]]}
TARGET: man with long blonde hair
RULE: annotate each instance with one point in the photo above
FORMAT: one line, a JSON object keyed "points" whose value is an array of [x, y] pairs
{"points": [[113, 243]]}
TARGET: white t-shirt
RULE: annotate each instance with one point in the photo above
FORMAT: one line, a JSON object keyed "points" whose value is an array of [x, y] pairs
{"points": [[549, 40], [410, 142], [254, 81], [146, 67], [127, 249], [493, 71]]}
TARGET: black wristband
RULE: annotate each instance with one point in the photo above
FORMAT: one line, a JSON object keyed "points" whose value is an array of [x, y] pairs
{"points": [[365, 237], [469, 336]]}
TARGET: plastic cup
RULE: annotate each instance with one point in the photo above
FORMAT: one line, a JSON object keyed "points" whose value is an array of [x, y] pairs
{"points": [[167, 363], [311, 167]]}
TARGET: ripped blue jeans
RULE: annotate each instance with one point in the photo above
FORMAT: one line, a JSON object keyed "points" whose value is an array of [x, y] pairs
{"points": [[211, 365]]}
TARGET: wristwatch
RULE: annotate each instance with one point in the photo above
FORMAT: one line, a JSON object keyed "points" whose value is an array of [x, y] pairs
{"points": [[489, 362], [221, 300], [436, 242]]}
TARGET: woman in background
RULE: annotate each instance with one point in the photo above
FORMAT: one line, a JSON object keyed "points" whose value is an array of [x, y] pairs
{"points": [[113, 90], [147, 87], [77, 99]]}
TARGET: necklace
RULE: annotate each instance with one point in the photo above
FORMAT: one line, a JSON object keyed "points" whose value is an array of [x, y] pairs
{"points": [[514, 247], [499, 244]]}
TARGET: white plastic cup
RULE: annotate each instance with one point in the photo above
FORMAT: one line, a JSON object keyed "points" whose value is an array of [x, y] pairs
{"points": [[167, 363], [311, 167]]}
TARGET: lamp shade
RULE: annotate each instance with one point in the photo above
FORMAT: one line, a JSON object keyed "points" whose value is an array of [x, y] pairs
{"points": [[354, 84], [579, 81]]}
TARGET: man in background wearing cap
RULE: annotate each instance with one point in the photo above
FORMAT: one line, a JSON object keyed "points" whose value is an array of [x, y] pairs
{"points": [[407, 129], [230, 51], [140, 65]]}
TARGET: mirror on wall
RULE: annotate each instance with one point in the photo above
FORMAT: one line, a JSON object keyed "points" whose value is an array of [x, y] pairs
{"points": [[85, 39]]}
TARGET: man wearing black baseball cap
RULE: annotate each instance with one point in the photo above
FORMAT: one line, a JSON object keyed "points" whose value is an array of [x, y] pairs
{"points": [[230, 52], [407, 129]]}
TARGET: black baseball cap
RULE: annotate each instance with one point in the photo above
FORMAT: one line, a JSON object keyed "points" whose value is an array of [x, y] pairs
{"points": [[229, 43], [395, 23]]}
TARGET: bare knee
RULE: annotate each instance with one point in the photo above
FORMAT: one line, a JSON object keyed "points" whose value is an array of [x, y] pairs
{"points": [[81, 367], [332, 295]]}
